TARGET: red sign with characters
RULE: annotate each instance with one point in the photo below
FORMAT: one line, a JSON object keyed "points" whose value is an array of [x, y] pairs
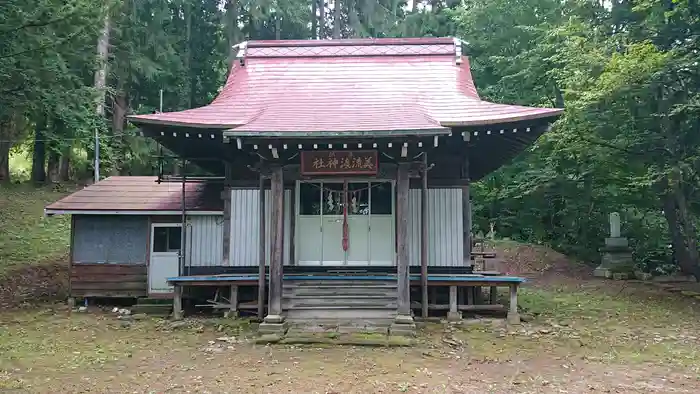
{"points": [[357, 162]]}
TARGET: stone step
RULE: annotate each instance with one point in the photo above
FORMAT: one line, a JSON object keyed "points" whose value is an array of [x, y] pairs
{"points": [[340, 283], [339, 313], [343, 296], [305, 304], [339, 293], [378, 326], [154, 301], [152, 309]]}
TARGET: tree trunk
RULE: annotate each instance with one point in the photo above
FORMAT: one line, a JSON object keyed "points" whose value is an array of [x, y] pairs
{"points": [[278, 25], [314, 19], [232, 30], [4, 160], [686, 263], [39, 154], [101, 72], [119, 107], [64, 165], [336, 19], [689, 233], [353, 18], [52, 165], [100, 84], [322, 19], [188, 58]]}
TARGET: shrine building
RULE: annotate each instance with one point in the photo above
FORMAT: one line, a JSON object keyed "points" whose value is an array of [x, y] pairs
{"points": [[328, 180]]}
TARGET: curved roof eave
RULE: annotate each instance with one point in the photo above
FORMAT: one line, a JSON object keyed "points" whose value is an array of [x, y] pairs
{"points": [[552, 113], [145, 120]]}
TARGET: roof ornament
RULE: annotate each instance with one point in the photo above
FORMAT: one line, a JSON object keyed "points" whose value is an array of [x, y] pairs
{"points": [[241, 51], [458, 51]]}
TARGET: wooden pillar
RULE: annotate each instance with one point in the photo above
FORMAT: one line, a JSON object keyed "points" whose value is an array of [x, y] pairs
{"points": [[453, 314], [177, 301], [274, 312], [466, 215], [424, 237], [262, 252], [493, 295], [513, 316], [226, 196], [404, 295], [233, 302]]}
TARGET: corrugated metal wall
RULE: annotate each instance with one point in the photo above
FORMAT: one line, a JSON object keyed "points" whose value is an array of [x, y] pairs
{"points": [[205, 236], [245, 227], [444, 227]]}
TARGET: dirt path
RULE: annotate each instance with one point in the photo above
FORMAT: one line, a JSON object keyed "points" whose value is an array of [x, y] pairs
{"points": [[246, 369]]}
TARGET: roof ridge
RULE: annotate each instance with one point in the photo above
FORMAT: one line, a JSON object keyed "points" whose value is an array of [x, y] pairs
{"points": [[350, 42]]}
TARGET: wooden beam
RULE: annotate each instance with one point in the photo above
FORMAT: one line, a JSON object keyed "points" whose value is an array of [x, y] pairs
{"points": [[226, 248], [466, 216], [233, 302], [454, 314], [276, 245], [513, 316], [292, 225], [177, 302], [262, 251], [71, 299], [424, 237], [404, 302]]}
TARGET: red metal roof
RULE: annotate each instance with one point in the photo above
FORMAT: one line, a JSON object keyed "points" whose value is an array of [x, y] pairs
{"points": [[140, 193], [348, 85]]}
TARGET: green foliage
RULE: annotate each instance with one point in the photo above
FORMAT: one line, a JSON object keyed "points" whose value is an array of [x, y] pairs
{"points": [[628, 131], [28, 236], [626, 72]]}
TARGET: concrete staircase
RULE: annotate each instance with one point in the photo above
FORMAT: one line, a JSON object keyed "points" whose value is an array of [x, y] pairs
{"points": [[342, 305]]}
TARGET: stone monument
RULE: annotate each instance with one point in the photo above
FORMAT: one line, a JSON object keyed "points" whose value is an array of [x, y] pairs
{"points": [[616, 254]]}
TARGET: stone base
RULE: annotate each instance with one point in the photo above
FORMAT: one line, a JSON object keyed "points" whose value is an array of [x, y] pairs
{"points": [[272, 328], [602, 272], [454, 316], [513, 318], [403, 325], [616, 258], [405, 330], [273, 324]]}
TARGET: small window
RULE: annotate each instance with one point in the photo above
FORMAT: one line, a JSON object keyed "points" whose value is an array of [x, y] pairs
{"points": [[167, 239], [382, 198], [309, 198]]}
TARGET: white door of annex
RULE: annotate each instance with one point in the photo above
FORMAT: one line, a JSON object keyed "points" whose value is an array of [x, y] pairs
{"points": [[165, 256], [345, 224]]}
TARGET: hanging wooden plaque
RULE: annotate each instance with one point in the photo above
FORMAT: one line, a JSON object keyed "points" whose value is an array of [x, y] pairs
{"points": [[344, 162]]}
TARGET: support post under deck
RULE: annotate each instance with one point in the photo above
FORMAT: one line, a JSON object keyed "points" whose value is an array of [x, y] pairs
{"points": [[466, 215], [274, 321], [424, 237], [403, 324], [261, 263]]}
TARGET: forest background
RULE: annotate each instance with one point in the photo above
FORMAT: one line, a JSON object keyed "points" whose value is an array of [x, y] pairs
{"points": [[626, 71]]}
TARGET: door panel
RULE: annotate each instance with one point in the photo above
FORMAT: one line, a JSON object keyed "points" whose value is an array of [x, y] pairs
{"points": [[382, 240], [308, 233], [358, 250], [319, 231], [332, 239], [162, 266], [164, 257]]}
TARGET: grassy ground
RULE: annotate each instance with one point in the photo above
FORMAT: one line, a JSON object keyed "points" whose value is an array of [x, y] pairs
{"points": [[27, 237], [592, 336]]}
